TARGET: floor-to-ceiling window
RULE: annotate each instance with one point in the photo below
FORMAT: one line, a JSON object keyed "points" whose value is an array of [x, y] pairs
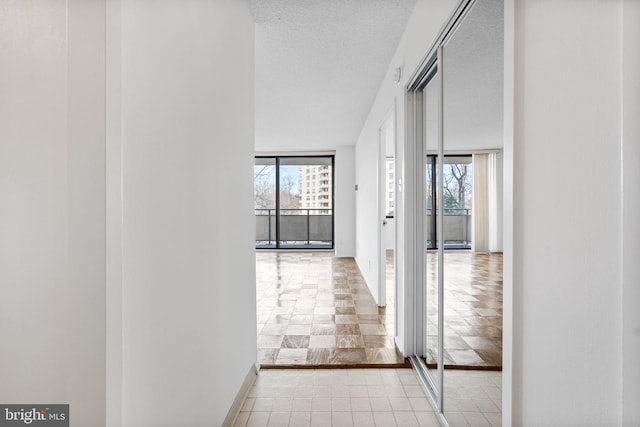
{"points": [[294, 202]]}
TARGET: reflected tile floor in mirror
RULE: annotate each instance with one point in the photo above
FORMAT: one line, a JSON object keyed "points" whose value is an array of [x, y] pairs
{"points": [[473, 309], [314, 309], [473, 398]]}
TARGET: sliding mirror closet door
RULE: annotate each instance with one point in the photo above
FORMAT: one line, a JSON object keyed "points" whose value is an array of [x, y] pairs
{"points": [[472, 72], [457, 111]]}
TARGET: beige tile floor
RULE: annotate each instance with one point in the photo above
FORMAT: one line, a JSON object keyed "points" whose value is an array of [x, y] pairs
{"points": [[337, 397], [367, 397]]}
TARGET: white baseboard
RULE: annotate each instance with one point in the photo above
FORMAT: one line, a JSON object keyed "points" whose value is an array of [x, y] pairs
{"points": [[241, 396]]}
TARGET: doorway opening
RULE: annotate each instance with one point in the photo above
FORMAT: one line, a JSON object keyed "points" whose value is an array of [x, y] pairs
{"points": [[389, 243], [386, 215]]}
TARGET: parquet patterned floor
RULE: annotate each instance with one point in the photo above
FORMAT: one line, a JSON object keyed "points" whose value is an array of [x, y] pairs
{"points": [[472, 309], [314, 309]]}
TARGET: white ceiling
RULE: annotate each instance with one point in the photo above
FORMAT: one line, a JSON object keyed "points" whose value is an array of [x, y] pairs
{"points": [[319, 64]]}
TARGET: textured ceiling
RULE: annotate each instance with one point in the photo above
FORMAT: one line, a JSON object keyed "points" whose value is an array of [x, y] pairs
{"points": [[319, 64]]}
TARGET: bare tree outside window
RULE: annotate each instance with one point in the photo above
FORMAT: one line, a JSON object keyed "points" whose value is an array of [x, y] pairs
{"points": [[289, 193], [457, 186], [264, 178]]}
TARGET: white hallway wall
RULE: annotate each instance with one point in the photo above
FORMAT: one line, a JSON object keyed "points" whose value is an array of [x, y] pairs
{"points": [[568, 283], [631, 213], [189, 282], [34, 203], [189, 321], [52, 220], [52, 209]]}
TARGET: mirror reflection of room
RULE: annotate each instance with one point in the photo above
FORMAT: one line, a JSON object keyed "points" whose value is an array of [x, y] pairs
{"points": [[472, 198]]}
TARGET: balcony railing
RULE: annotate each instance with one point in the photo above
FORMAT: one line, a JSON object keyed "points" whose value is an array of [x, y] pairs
{"points": [[313, 228], [305, 228], [456, 228]]}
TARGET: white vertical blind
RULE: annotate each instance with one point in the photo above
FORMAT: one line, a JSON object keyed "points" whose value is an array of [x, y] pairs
{"points": [[480, 212], [492, 172], [485, 203]]}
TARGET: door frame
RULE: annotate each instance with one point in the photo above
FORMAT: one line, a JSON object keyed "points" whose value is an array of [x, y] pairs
{"points": [[390, 120]]}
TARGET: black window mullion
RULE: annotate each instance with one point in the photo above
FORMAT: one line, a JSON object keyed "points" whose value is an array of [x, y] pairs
{"points": [[277, 159], [333, 202], [434, 197]]}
